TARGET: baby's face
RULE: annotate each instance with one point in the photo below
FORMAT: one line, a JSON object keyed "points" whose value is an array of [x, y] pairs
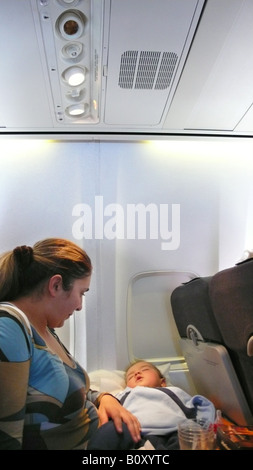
{"points": [[143, 374]]}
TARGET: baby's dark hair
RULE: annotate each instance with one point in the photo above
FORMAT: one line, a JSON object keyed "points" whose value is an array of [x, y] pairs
{"points": [[161, 376]]}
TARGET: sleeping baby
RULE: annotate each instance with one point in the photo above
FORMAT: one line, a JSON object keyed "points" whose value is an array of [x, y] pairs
{"points": [[158, 408]]}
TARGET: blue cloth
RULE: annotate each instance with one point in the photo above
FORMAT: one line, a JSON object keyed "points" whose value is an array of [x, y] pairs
{"points": [[159, 414], [44, 403], [107, 438]]}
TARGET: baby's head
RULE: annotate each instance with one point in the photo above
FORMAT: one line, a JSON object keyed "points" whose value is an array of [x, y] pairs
{"points": [[144, 374]]}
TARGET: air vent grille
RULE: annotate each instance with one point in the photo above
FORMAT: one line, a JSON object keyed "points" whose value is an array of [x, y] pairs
{"points": [[166, 70], [127, 69], [147, 70]]}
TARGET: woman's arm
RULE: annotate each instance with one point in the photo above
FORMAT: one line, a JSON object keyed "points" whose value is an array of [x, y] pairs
{"points": [[110, 408]]}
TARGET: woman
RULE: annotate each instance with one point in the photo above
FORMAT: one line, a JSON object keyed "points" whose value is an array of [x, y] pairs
{"points": [[45, 400]]}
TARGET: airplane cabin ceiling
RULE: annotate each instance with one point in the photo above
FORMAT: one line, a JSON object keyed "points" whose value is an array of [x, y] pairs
{"points": [[142, 68]]}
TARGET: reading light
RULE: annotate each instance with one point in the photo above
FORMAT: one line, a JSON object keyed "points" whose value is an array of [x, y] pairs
{"points": [[64, 2], [76, 109], [74, 76]]}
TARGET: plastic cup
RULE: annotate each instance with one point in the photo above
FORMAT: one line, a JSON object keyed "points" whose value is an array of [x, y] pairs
{"points": [[193, 436]]}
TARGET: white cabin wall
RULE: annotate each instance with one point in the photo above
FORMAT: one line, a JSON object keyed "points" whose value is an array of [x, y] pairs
{"points": [[41, 182], [148, 175], [213, 190], [236, 202]]}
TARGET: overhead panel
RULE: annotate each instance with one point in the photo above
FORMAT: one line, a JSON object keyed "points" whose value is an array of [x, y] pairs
{"points": [[126, 67], [148, 45], [24, 99], [220, 88], [69, 38], [215, 91]]}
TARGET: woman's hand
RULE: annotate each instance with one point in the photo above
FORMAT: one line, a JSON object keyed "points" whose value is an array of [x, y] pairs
{"points": [[109, 407]]}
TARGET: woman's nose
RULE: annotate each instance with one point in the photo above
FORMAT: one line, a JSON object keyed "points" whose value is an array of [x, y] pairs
{"points": [[79, 307]]}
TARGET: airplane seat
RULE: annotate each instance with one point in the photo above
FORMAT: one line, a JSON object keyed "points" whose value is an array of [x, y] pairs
{"points": [[203, 346], [191, 307], [231, 296]]}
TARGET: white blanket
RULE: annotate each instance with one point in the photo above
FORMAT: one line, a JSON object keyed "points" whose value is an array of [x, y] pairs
{"points": [[159, 414]]}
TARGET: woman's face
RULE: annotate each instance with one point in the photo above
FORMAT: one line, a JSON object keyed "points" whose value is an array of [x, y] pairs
{"points": [[67, 302]]}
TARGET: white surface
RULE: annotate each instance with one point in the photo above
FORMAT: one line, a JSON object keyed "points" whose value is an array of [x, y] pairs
{"points": [[41, 182]]}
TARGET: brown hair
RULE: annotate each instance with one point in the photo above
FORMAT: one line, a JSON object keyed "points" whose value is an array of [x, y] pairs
{"points": [[26, 269]]}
